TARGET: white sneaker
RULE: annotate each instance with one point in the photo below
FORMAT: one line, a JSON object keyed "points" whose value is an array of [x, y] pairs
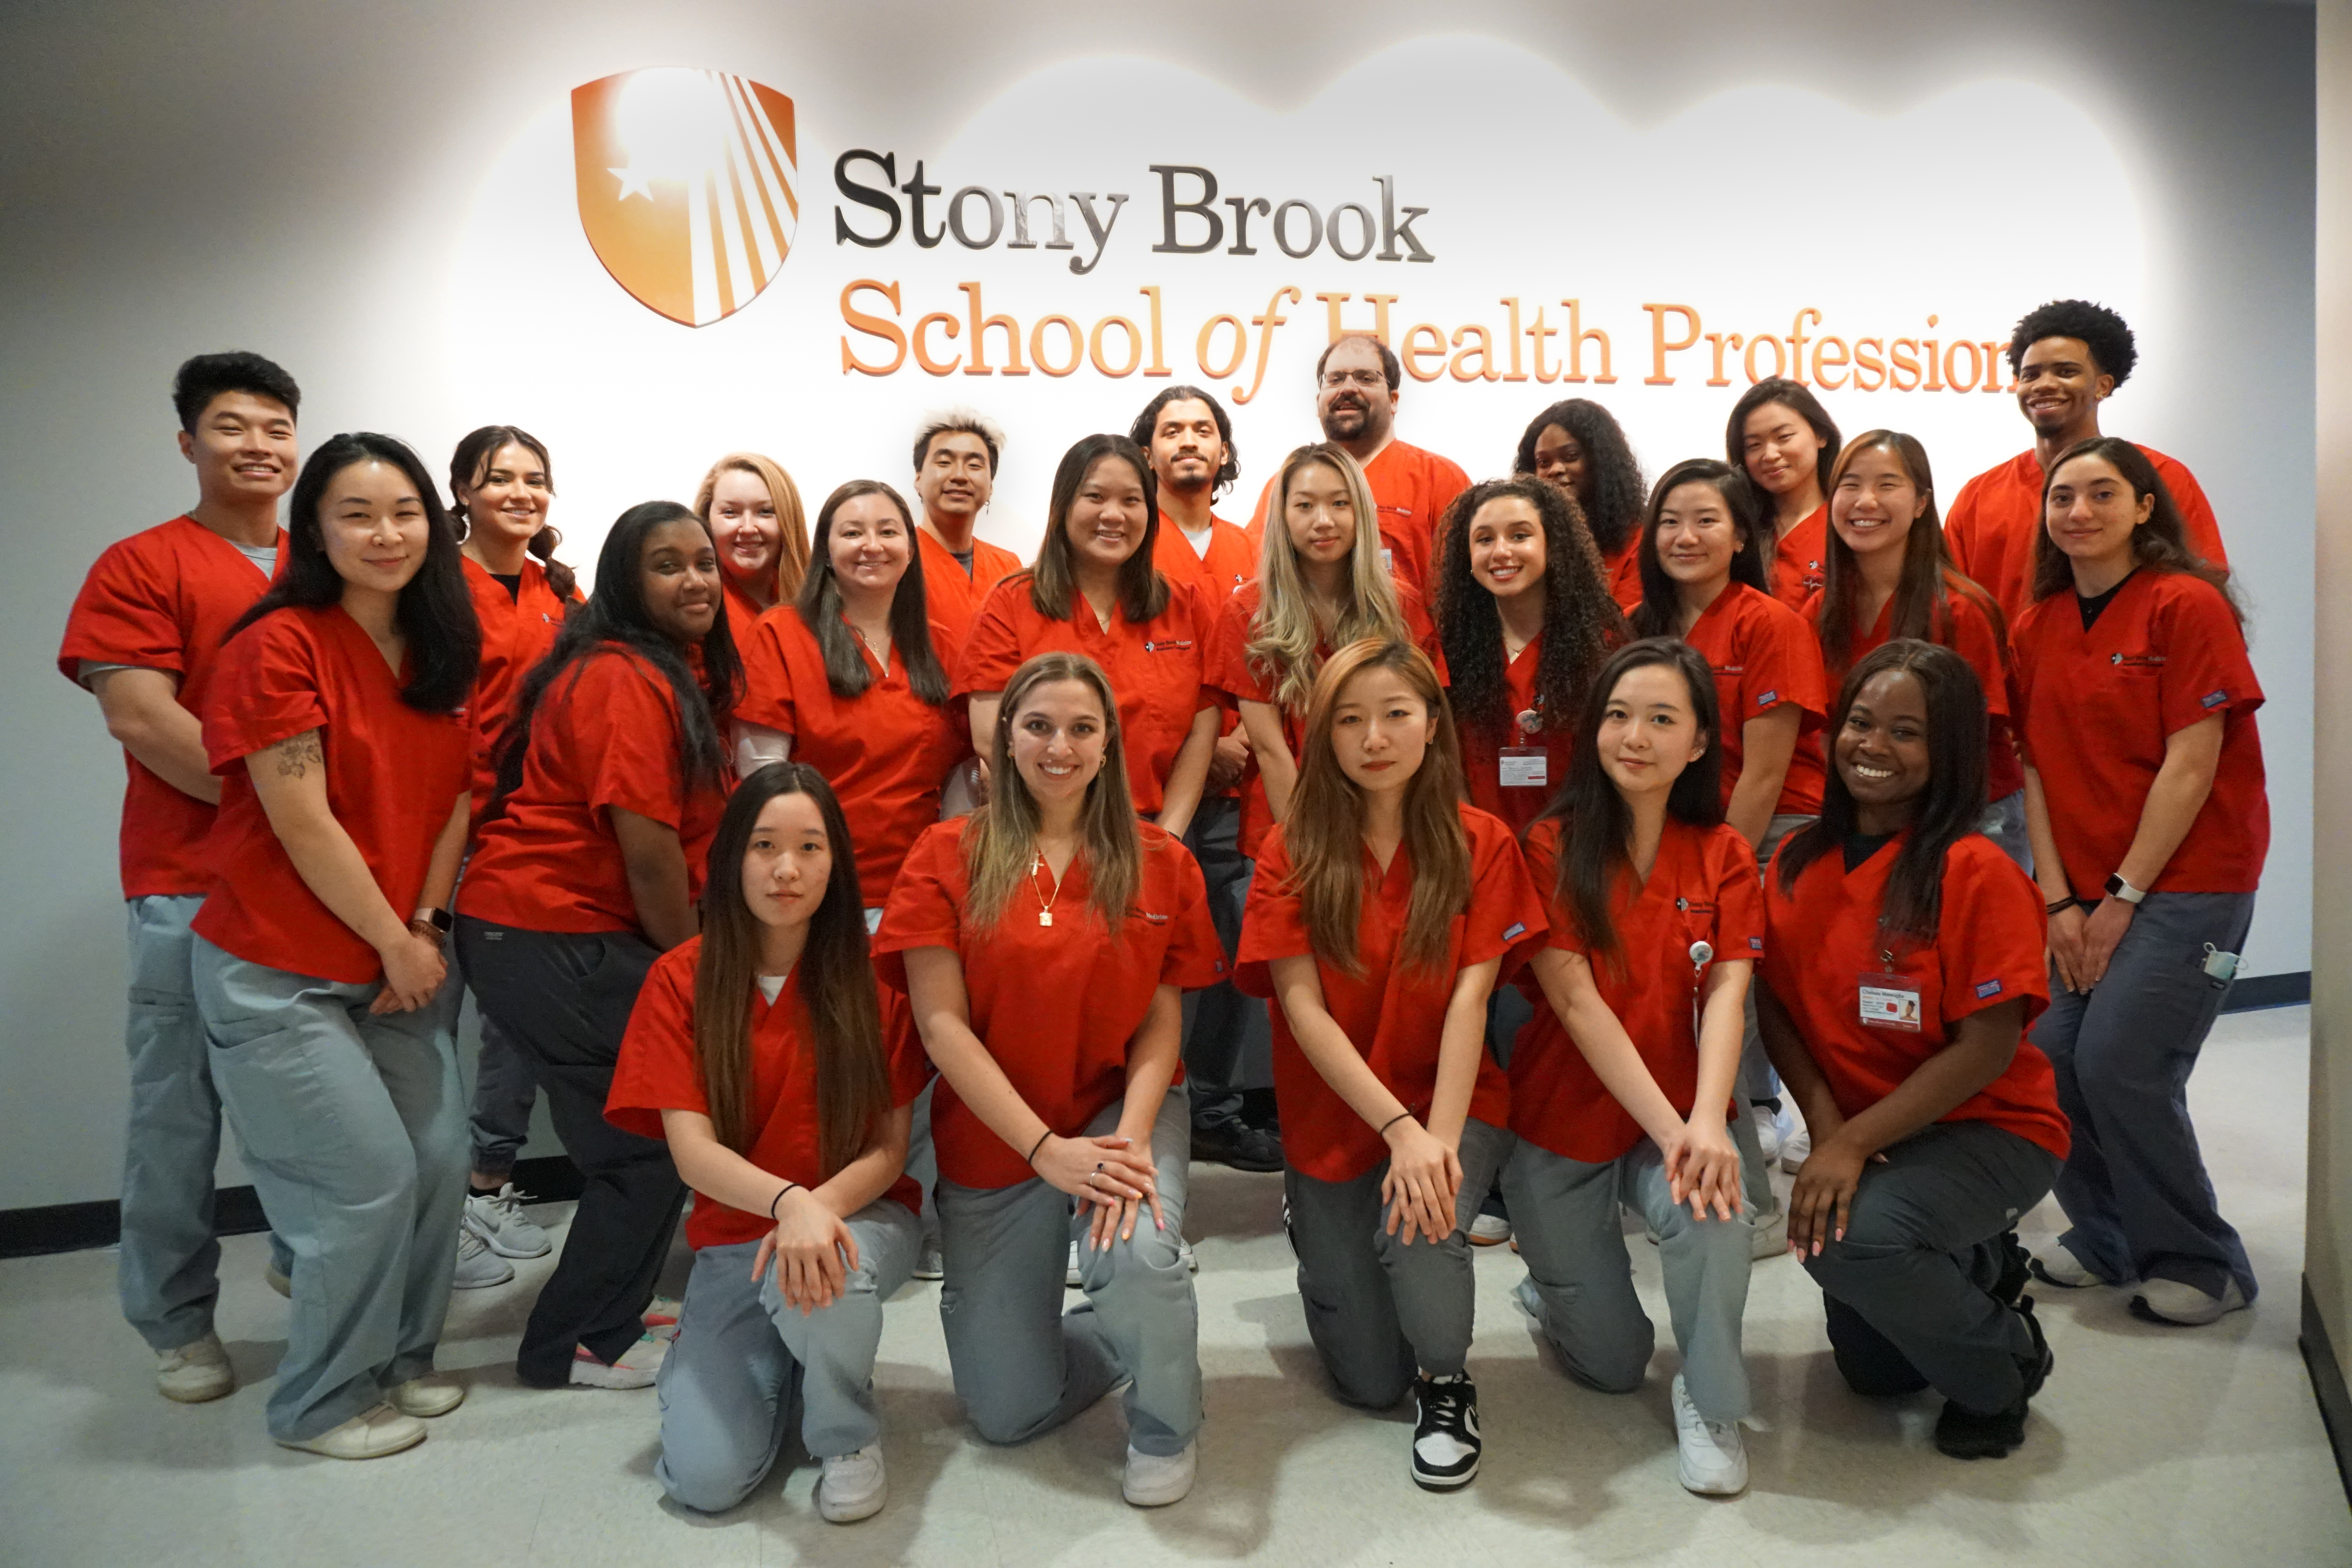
{"points": [[1489, 1230], [478, 1267], [371, 1435], [277, 1278], [1773, 1128], [195, 1373], [638, 1365], [1185, 1253], [1712, 1461], [1071, 1278], [853, 1486], [928, 1263], [1155, 1480], [430, 1396], [499, 1221], [1797, 1150], [2170, 1301], [2058, 1266]]}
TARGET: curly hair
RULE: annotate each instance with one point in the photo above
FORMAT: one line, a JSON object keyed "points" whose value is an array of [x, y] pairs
{"points": [[1581, 622], [2100, 328], [1612, 493]]}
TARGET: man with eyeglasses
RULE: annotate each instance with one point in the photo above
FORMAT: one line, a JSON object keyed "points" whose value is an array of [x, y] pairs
{"points": [[1356, 400]]}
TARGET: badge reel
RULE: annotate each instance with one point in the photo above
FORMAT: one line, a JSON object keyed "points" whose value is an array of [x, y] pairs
{"points": [[1888, 1000], [1701, 953], [1525, 766]]}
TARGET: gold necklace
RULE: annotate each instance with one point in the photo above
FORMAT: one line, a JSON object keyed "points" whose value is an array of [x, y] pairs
{"points": [[1044, 904]]}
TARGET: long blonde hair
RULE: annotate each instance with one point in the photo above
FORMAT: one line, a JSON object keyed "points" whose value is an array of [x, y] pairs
{"points": [[1000, 842], [1324, 835], [1285, 635], [792, 518]]}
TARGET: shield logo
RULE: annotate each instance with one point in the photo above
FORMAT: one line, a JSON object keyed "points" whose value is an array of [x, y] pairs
{"points": [[688, 186]]}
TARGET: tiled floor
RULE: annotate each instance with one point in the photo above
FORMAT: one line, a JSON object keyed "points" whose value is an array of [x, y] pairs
{"points": [[2150, 1447]]}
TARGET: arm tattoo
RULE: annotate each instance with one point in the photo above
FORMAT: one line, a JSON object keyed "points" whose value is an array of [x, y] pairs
{"points": [[299, 754]]}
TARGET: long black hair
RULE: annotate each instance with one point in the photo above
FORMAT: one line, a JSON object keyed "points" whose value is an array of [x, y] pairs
{"points": [[617, 614], [819, 607], [1798, 399], [1142, 591], [466, 468], [1594, 821], [1952, 806], [1580, 620], [1660, 612], [1612, 498], [435, 610]]}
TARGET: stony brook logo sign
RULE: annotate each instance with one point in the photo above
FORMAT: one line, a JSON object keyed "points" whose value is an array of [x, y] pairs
{"points": [[690, 186]]}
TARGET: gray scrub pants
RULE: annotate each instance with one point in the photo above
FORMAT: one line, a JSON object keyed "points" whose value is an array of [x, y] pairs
{"points": [[1911, 1284], [354, 1128], [1757, 1080], [169, 1275], [1564, 1216], [2004, 823], [1022, 1366], [1228, 1037], [1378, 1310], [744, 1364], [2135, 1185]]}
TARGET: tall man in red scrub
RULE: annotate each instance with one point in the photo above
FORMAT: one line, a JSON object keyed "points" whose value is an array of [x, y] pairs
{"points": [[144, 637], [956, 454], [1189, 438], [2069, 356], [1356, 403]]}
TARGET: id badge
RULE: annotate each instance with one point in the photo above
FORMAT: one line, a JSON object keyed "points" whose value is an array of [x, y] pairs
{"points": [[1890, 1002], [1524, 767]]}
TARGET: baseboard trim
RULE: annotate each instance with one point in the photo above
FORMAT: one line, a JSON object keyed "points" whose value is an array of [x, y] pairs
{"points": [[2328, 1386], [75, 1227], [2259, 991]]}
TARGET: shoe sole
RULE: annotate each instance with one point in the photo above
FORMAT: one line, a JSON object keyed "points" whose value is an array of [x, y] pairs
{"points": [[1697, 1490], [2094, 1282], [401, 1448], [2145, 1314], [506, 1279], [1430, 1483], [1488, 1240], [204, 1396], [865, 1507]]}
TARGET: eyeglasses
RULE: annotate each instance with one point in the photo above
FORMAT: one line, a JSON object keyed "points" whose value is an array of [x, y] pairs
{"points": [[1363, 378]]}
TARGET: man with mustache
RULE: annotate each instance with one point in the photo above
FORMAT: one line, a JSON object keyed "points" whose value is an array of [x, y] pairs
{"points": [[2069, 356], [1356, 401]]}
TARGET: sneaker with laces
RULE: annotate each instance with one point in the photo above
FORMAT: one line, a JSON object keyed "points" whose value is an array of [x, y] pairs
{"points": [[1489, 1230], [2170, 1301], [478, 1267], [928, 1263], [853, 1486], [370, 1434], [637, 1368], [1238, 1145], [660, 1317], [430, 1396], [1445, 1446], [1155, 1480], [1774, 1126], [1964, 1433], [195, 1373], [2059, 1267], [497, 1218], [1711, 1460]]}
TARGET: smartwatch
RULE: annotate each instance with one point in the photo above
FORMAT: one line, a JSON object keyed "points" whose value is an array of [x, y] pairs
{"points": [[439, 919], [2119, 888]]}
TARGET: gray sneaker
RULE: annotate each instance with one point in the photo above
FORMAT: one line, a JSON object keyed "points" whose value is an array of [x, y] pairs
{"points": [[478, 1267], [497, 1218]]}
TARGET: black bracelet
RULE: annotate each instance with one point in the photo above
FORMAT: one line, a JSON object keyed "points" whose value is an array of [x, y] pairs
{"points": [[1037, 1146], [1392, 1121], [787, 1187], [2061, 906]]}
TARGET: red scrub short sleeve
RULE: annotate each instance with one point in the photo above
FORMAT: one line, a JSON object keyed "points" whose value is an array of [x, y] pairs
{"points": [[626, 727], [127, 613], [1505, 919], [767, 698], [926, 907], [1990, 936], [991, 651], [1194, 957], [2206, 670], [658, 1069], [902, 1049], [268, 690], [1274, 923]]}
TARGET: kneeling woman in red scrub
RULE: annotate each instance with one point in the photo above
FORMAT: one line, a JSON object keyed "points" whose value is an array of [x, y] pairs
{"points": [[1621, 1085], [2151, 822], [1045, 940], [1902, 961], [339, 727], [1383, 912], [586, 870], [782, 1079]]}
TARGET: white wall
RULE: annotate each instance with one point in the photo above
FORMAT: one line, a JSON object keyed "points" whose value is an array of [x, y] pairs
{"points": [[361, 195]]}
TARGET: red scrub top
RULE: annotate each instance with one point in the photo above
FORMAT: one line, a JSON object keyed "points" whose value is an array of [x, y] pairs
{"points": [[1993, 522], [659, 1070], [1058, 1006], [743, 612], [606, 734], [1411, 488], [1623, 574], [952, 596], [1798, 569], [2097, 706], [1823, 938], [517, 632], [1702, 888], [1765, 655], [885, 751], [1155, 668], [1969, 632], [163, 599], [1483, 746], [1392, 1013], [1230, 560], [393, 776], [1229, 672]]}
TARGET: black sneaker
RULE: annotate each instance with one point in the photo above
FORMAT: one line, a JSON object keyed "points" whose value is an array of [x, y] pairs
{"points": [[1445, 1438], [2016, 1270], [1239, 1145], [1965, 1435]]}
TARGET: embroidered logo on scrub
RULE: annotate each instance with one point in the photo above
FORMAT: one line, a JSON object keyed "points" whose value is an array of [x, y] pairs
{"points": [[688, 186], [2213, 700], [1988, 988], [1168, 645], [2137, 660]]}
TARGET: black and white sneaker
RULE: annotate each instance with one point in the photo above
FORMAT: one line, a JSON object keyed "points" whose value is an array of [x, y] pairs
{"points": [[1445, 1438]]}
